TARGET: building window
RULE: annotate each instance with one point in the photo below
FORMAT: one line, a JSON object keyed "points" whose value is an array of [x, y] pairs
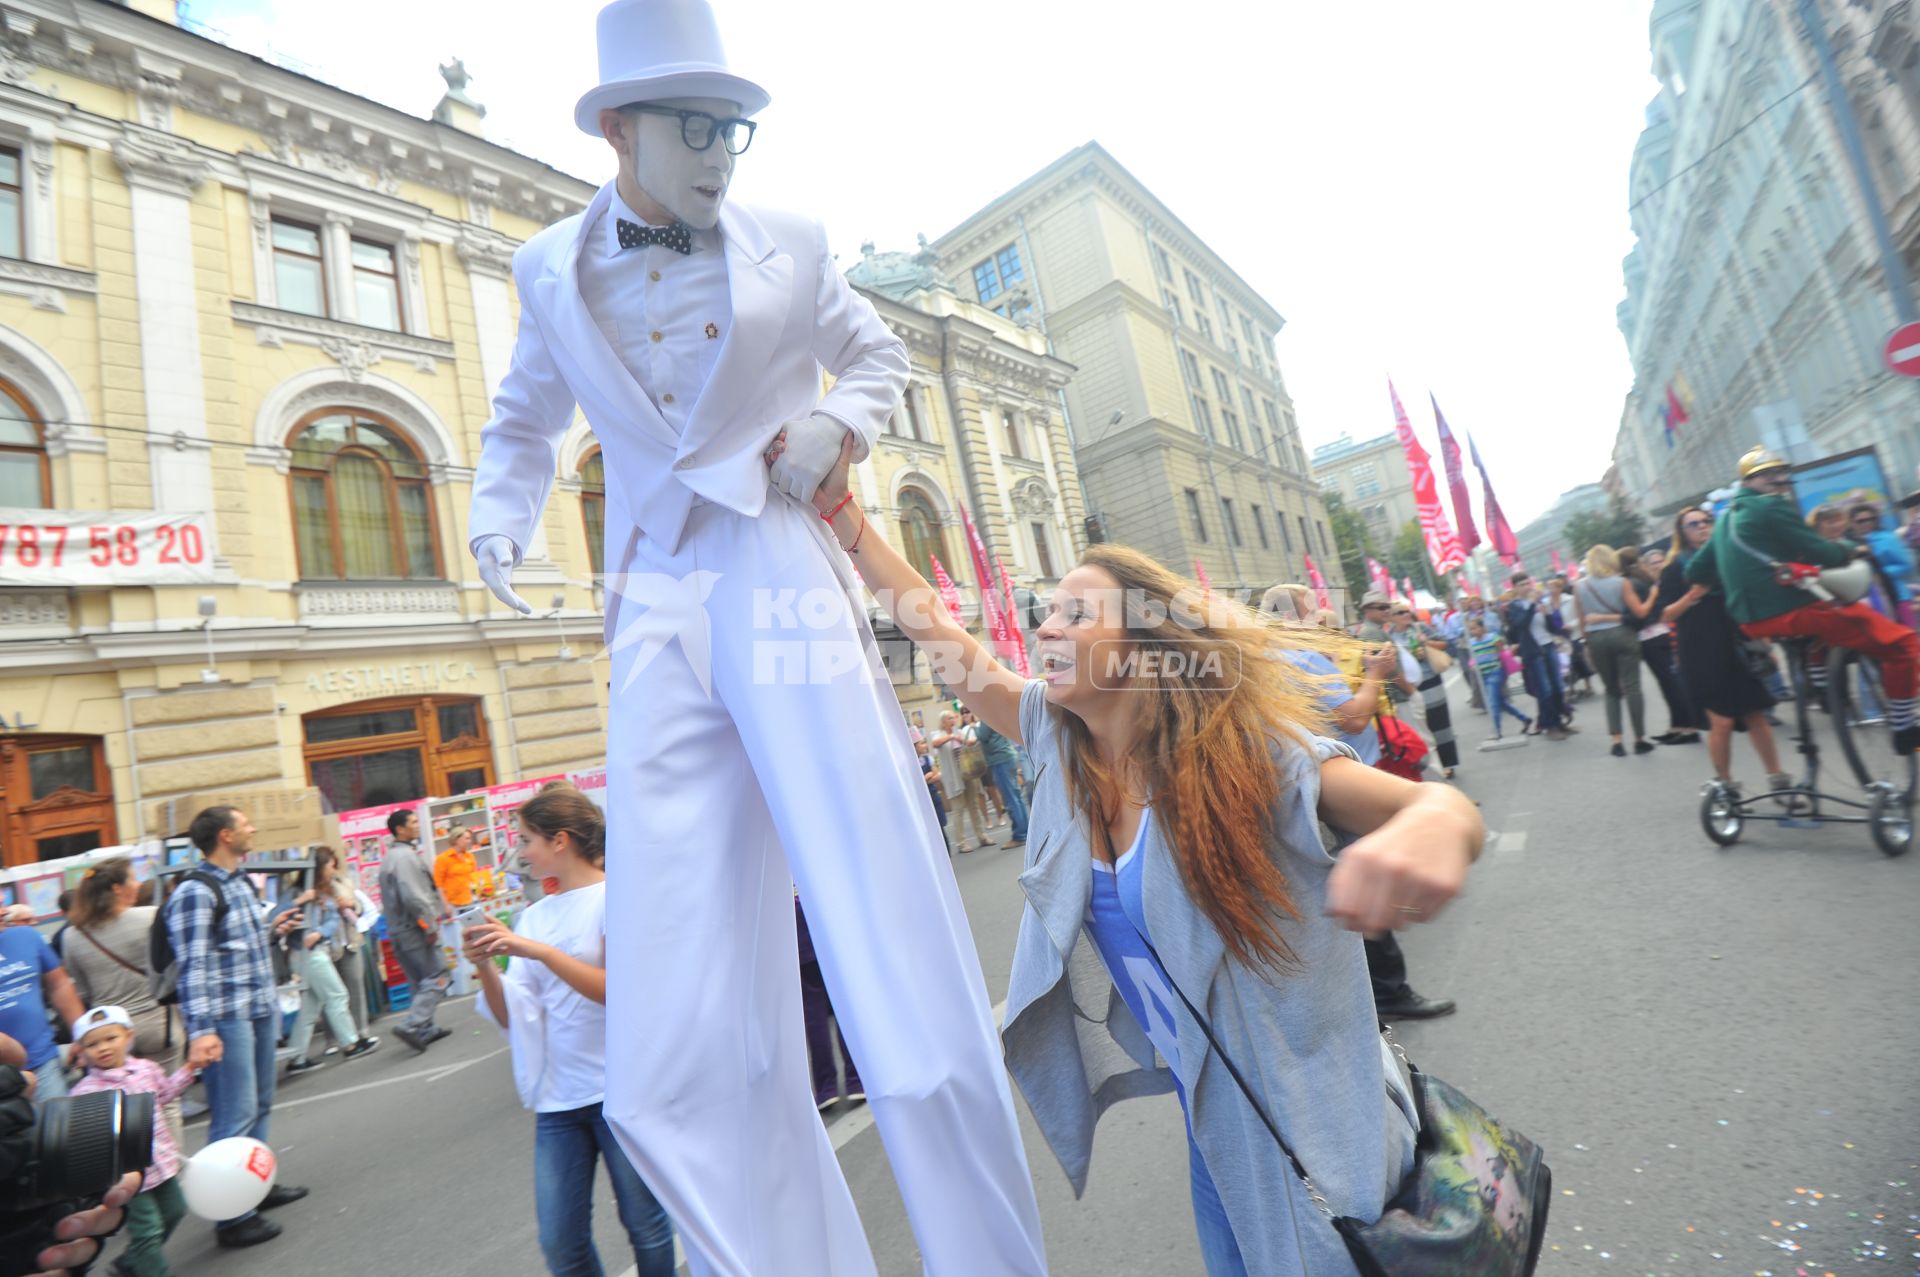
{"points": [[921, 536], [1286, 537], [395, 750], [376, 285], [25, 479], [56, 798], [1162, 264], [1173, 305], [361, 504], [1042, 550], [1203, 417], [1010, 431], [1233, 348], [1206, 325], [1306, 536], [998, 273], [1194, 290], [1260, 527], [911, 402], [1193, 513], [299, 273], [593, 509], [1326, 542], [1233, 524], [13, 209], [1222, 388], [1231, 421], [1246, 330], [1191, 367]]}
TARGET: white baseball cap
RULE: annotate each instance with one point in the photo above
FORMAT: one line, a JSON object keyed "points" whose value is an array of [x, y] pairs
{"points": [[100, 1018]]}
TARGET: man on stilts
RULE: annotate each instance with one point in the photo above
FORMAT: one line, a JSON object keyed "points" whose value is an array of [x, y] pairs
{"points": [[750, 748]]}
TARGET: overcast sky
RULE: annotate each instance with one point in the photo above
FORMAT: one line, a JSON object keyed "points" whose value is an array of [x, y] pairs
{"points": [[1432, 192]]}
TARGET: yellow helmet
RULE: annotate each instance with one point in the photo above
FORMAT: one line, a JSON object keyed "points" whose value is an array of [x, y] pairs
{"points": [[1760, 458]]}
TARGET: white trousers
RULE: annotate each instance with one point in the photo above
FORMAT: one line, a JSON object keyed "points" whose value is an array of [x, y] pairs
{"points": [[791, 766]]}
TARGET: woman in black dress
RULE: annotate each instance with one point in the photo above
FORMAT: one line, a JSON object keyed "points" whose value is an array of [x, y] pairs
{"points": [[1710, 666]]}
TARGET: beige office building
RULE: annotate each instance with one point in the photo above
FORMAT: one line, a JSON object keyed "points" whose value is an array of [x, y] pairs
{"points": [[1184, 433]]}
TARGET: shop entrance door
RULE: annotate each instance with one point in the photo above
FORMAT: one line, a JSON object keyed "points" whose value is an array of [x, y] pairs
{"points": [[397, 749], [56, 798]]}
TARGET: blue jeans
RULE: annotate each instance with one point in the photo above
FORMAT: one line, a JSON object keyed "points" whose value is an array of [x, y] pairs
{"points": [[240, 1085], [1543, 677], [1497, 702], [1004, 781], [565, 1146], [1218, 1249], [49, 1079]]}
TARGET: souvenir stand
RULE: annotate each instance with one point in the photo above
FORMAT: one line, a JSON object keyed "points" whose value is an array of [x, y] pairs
{"points": [[444, 818], [363, 846]]}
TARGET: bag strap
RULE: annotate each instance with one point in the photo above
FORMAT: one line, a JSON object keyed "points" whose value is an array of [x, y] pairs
{"points": [[1740, 542], [139, 971]]}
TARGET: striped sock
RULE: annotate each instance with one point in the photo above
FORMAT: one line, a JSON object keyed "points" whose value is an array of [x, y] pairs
{"points": [[1902, 714]]}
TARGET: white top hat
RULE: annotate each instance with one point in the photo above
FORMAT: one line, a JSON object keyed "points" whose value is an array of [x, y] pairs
{"points": [[655, 49]]}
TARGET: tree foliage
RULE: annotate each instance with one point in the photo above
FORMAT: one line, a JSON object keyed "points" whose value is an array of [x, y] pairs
{"points": [[1351, 539], [1408, 558], [1618, 525]]}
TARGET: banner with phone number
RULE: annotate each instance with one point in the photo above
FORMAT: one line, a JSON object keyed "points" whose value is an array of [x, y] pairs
{"points": [[92, 548]]}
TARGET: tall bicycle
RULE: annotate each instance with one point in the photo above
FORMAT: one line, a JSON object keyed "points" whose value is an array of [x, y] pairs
{"points": [[1856, 706]]}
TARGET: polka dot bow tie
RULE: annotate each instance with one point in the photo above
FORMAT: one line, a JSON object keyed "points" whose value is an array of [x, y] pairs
{"points": [[678, 237]]}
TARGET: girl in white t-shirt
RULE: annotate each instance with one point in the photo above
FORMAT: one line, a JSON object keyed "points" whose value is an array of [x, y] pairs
{"points": [[551, 1004]]}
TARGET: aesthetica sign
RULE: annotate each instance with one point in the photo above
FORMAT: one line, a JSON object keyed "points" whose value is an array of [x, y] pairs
{"points": [[421, 676]]}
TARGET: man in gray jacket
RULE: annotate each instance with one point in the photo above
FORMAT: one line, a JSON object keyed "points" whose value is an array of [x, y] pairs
{"points": [[411, 906]]}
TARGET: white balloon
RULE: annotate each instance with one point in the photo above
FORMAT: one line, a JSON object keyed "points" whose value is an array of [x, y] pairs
{"points": [[228, 1178]]}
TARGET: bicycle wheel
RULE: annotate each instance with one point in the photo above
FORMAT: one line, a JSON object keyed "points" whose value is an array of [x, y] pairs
{"points": [[1720, 816], [1890, 821], [1857, 701]]}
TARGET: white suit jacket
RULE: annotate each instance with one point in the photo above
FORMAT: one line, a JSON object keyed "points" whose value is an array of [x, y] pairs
{"points": [[793, 315]]}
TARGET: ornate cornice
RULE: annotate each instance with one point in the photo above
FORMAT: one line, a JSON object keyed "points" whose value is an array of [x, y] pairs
{"points": [[355, 347], [45, 286], [159, 161], [485, 254]]}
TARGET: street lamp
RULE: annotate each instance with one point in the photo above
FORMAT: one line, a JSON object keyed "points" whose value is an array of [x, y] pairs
{"points": [[208, 606], [559, 605]]}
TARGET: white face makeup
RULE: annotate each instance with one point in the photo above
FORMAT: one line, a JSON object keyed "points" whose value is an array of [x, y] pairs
{"points": [[689, 184]]}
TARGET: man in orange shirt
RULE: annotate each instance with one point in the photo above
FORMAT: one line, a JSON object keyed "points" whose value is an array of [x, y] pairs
{"points": [[455, 872]]}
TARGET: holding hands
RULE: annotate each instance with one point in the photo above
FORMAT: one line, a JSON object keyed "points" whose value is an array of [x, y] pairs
{"points": [[804, 452]]}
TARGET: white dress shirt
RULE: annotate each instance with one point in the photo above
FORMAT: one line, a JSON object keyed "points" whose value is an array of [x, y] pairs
{"points": [[664, 313]]}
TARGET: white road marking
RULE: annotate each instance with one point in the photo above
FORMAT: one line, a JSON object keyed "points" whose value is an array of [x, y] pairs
{"points": [[1512, 842], [431, 1075], [840, 1134]]}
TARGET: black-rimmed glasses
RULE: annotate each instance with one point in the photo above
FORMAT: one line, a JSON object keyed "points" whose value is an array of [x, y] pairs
{"points": [[699, 129]]}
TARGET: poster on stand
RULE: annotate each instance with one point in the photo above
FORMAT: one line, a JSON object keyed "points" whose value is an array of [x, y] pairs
{"points": [[593, 783], [1843, 480], [363, 842]]}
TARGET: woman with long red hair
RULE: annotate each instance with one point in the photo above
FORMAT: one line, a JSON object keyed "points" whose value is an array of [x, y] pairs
{"points": [[1174, 855]]}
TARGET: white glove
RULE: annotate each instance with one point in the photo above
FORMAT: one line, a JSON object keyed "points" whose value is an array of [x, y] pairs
{"points": [[495, 555], [810, 449]]}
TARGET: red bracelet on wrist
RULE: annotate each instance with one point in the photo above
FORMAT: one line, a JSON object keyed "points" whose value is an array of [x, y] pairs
{"points": [[828, 516], [856, 536]]}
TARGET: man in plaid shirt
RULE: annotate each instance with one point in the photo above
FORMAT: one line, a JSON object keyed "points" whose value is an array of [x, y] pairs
{"points": [[227, 997]]}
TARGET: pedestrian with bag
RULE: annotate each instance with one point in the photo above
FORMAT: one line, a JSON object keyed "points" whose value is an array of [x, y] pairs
{"points": [[1175, 868], [1432, 659], [550, 1004], [322, 944], [105, 951], [1607, 602], [960, 788], [1659, 652]]}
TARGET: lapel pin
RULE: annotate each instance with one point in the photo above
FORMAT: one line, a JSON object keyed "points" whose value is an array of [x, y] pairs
{"points": [[713, 330]]}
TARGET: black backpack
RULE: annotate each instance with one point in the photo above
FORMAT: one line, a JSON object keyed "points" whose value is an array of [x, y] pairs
{"points": [[163, 970]]}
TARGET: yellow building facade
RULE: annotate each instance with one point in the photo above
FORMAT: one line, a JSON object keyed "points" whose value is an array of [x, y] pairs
{"points": [[250, 326], [981, 426]]}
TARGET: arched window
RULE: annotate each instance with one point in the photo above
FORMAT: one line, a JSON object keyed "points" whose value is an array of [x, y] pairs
{"points": [[361, 508], [24, 481], [593, 508], [921, 537]]}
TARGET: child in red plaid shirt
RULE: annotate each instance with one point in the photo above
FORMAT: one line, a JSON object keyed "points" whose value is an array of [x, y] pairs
{"points": [[105, 1036]]}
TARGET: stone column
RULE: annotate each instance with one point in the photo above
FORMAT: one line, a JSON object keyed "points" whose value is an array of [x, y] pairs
{"points": [[162, 172]]}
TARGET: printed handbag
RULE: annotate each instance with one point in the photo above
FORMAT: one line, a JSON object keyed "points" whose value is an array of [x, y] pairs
{"points": [[1402, 751], [1474, 1205]]}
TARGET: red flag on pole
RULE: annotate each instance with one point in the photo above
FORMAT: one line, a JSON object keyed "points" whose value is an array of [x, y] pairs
{"points": [[1319, 582], [1378, 575], [1443, 548], [1013, 623], [1499, 535], [1555, 557], [1456, 482], [949, 592], [997, 625]]}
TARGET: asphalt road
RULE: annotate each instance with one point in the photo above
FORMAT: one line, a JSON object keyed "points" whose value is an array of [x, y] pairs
{"points": [[1714, 1047]]}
